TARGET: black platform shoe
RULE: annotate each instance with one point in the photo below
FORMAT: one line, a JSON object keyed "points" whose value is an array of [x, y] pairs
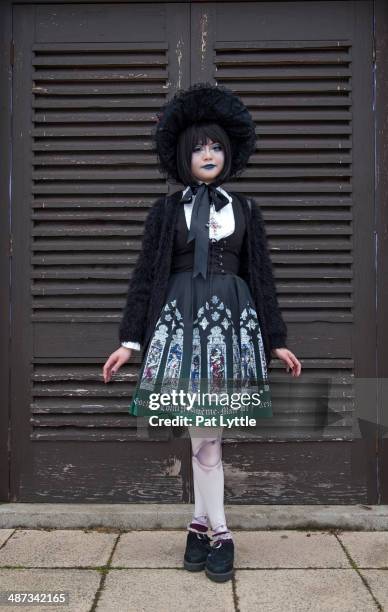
{"points": [[197, 550], [219, 563]]}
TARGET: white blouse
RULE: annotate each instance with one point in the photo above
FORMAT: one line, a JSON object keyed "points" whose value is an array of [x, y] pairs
{"points": [[221, 225]]}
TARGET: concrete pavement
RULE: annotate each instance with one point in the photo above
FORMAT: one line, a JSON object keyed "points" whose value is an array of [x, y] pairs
{"points": [[136, 569]]}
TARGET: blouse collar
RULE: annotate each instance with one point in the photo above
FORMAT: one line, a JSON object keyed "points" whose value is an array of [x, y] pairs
{"points": [[219, 188]]}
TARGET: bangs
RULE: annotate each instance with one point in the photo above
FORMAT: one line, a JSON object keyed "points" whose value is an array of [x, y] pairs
{"points": [[200, 134]]}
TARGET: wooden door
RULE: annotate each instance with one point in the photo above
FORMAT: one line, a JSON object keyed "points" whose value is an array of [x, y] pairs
{"points": [[305, 71], [88, 80]]}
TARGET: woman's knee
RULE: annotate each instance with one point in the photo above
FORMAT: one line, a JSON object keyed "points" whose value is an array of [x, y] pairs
{"points": [[209, 452]]}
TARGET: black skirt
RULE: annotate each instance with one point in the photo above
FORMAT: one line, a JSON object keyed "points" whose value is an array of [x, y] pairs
{"points": [[205, 361]]}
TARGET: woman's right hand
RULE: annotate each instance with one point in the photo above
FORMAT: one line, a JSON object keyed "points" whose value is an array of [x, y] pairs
{"points": [[115, 361]]}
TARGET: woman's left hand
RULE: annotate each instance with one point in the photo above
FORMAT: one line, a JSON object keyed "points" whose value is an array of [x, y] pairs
{"points": [[292, 363]]}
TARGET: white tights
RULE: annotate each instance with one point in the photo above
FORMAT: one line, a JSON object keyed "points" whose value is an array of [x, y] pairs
{"points": [[208, 476]]}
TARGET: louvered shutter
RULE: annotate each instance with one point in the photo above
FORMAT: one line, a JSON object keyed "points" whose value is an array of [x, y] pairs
{"points": [[94, 179], [88, 83], [300, 95]]}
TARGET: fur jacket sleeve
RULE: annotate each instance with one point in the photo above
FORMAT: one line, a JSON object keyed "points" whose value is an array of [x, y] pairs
{"points": [[276, 327], [133, 322]]}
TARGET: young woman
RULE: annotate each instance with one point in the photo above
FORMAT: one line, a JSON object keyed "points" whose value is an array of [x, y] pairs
{"points": [[202, 303]]}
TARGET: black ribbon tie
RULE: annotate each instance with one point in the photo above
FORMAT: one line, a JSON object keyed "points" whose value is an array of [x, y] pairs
{"points": [[205, 195]]}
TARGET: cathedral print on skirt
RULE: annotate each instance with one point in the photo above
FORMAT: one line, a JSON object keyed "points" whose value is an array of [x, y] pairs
{"points": [[215, 361]]}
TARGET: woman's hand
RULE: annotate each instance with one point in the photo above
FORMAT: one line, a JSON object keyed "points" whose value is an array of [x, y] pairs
{"points": [[292, 363], [115, 361]]}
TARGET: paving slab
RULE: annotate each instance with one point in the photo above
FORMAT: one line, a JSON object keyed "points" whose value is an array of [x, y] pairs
{"points": [[367, 549], [378, 582], [288, 549], [5, 534], [59, 548], [164, 590], [82, 586], [315, 590], [150, 549]]}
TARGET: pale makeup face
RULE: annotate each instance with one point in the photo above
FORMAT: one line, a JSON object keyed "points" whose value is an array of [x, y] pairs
{"points": [[211, 154]]}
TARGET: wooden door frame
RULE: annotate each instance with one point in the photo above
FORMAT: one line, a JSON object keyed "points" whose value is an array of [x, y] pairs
{"points": [[5, 247], [381, 235], [380, 10]]}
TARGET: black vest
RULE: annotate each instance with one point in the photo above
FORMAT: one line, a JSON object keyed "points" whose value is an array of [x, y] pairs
{"points": [[224, 254]]}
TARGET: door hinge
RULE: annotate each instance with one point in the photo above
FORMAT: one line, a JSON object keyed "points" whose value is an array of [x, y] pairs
{"points": [[10, 246]]}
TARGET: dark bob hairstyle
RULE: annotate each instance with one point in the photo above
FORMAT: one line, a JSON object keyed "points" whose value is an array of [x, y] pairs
{"points": [[198, 134], [203, 104]]}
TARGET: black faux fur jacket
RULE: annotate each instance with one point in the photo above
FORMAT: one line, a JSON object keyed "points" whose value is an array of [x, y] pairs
{"points": [[148, 283]]}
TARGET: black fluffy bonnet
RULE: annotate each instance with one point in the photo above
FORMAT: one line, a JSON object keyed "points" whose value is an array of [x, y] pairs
{"points": [[204, 102]]}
